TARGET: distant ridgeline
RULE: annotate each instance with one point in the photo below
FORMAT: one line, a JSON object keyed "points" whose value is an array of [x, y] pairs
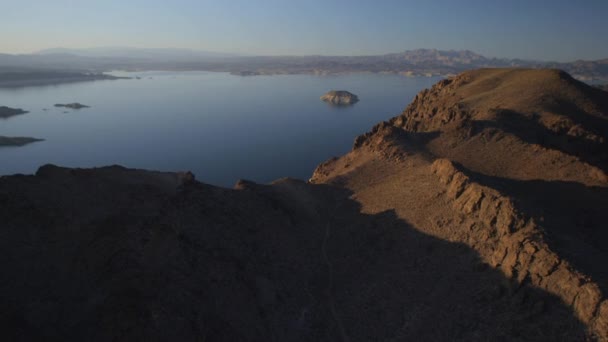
{"points": [[421, 62]]}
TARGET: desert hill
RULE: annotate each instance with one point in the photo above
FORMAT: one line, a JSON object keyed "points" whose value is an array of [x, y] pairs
{"points": [[478, 214], [489, 111], [519, 156]]}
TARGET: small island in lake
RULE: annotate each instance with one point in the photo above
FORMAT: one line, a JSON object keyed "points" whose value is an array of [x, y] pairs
{"points": [[74, 105], [16, 141], [7, 112], [340, 98]]}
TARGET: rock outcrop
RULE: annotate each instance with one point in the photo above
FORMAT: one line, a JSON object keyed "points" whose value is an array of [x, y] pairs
{"points": [[407, 237], [340, 98]]}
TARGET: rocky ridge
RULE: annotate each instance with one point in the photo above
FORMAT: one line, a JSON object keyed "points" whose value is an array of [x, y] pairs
{"points": [[521, 155]]}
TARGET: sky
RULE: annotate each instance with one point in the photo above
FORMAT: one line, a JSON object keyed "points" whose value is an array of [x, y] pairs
{"points": [[556, 30]]}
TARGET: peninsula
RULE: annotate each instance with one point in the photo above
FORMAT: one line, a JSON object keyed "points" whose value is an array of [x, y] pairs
{"points": [[7, 112], [18, 77], [16, 141]]}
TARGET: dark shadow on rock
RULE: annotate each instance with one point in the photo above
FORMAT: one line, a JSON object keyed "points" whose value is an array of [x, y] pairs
{"points": [[573, 215], [286, 262], [531, 131], [393, 137]]}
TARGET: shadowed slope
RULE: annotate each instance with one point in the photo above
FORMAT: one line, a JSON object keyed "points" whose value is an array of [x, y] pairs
{"points": [[146, 258]]}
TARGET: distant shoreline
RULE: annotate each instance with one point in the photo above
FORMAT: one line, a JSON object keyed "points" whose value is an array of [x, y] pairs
{"points": [[249, 73], [57, 80]]}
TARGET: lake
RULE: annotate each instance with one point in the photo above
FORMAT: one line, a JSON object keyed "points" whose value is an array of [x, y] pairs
{"points": [[219, 126]]}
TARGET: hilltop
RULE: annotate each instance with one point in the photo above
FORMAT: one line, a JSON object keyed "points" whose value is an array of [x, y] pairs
{"points": [[477, 214], [492, 120]]}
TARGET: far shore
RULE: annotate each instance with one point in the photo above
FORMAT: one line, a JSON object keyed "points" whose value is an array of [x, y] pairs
{"points": [[57, 80]]}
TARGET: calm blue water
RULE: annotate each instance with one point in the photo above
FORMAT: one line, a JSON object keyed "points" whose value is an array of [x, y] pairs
{"points": [[221, 127]]}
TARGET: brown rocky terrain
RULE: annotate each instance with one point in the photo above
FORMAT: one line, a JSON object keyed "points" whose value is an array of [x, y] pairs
{"points": [[476, 215], [511, 162]]}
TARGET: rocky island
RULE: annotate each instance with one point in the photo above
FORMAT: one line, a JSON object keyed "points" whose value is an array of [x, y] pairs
{"points": [[74, 105], [478, 214], [7, 112], [16, 141], [340, 98]]}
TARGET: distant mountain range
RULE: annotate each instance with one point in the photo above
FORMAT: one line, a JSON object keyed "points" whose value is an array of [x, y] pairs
{"points": [[420, 62], [140, 53]]}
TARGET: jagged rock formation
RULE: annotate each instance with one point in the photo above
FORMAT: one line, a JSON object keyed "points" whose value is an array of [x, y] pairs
{"points": [[340, 98], [405, 238]]}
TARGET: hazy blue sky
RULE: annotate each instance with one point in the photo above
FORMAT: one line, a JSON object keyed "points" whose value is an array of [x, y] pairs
{"points": [[542, 29]]}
